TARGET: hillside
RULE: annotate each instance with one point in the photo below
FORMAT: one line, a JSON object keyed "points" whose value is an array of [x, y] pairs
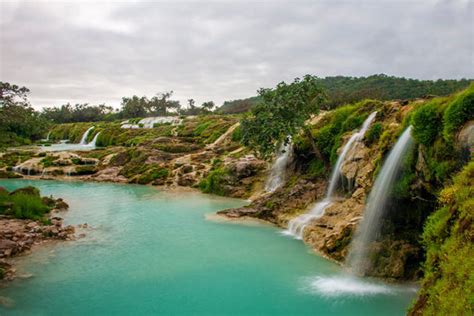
{"points": [[342, 90]]}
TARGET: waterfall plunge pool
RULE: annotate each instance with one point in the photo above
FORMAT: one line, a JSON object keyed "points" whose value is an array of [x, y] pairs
{"points": [[152, 252]]}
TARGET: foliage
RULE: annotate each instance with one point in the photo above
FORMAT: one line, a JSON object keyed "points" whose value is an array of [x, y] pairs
{"points": [[153, 174], [213, 182], [458, 112], [315, 169], [24, 203], [282, 112], [448, 285], [78, 113], [373, 133], [20, 123], [427, 122], [237, 134]]}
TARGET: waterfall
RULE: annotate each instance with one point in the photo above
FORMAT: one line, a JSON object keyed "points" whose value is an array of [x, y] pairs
{"points": [[278, 171], [94, 140], [297, 225], [369, 227], [47, 136], [84, 136]]}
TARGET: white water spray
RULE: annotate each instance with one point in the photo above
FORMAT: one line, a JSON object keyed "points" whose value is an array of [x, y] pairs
{"points": [[94, 140], [297, 225], [84, 136], [278, 171], [369, 228]]}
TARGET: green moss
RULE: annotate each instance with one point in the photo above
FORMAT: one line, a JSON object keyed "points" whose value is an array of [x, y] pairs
{"points": [[328, 133], [373, 134], [448, 284], [84, 170], [316, 169], [152, 175], [48, 161], [427, 123], [11, 159]]}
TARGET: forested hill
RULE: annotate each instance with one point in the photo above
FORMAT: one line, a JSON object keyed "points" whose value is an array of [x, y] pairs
{"points": [[343, 90]]}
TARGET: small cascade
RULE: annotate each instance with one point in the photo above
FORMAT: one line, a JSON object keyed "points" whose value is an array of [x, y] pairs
{"points": [[94, 140], [297, 225], [278, 171], [370, 225], [84, 136], [47, 137]]}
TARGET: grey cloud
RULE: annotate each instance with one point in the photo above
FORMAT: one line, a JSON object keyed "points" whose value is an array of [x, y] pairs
{"points": [[224, 50]]}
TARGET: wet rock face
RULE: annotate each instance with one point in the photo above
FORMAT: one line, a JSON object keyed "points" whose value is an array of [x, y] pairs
{"points": [[465, 139], [244, 167]]}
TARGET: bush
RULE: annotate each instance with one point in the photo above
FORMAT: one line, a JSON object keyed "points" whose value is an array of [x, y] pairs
{"points": [[213, 182], [24, 203], [426, 121], [458, 112]]}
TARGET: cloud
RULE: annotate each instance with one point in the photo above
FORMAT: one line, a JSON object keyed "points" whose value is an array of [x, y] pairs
{"points": [[221, 50]]}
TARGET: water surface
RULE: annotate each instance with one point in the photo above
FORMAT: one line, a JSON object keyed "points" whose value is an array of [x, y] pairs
{"points": [[154, 253]]}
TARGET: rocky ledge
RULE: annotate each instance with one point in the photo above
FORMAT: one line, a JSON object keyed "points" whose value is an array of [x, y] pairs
{"points": [[18, 236]]}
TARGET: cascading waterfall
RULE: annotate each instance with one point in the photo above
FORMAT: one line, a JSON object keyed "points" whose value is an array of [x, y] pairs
{"points": [[84, 136], [278, 171], [297, 225], [370, 225], [94, 140]]}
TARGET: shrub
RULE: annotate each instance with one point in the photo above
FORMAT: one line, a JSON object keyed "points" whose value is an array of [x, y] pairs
{"points": [[24, 203], [426, 121], [373, 134], [213, 182], [458, 112]]}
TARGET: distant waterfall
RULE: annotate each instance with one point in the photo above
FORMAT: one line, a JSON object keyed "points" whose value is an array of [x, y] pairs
{"points": [[47, 136], [370, 225], [94, 140], [84, 136], [278, 171], [297, 225]]}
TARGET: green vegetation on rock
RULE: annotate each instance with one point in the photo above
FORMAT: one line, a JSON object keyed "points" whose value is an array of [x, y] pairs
{"points": [[24, 203], [448, 283]]}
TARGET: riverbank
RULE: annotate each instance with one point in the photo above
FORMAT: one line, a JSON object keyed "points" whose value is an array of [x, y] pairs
{"points": [[28, 220]]}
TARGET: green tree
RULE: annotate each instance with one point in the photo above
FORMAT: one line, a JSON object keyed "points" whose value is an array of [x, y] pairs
{"points": [[282, 112], [208, 106], [134, 107], [19, 122], [161, 104]]}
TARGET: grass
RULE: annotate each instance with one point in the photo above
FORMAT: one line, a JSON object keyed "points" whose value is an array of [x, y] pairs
{"points": [[25, 203]]}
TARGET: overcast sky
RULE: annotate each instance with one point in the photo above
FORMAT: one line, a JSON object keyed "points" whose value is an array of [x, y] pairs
{"points": [[82, 51]]}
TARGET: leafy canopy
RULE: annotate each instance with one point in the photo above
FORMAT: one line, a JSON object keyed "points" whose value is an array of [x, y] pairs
{"points": [[282, 112]]}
